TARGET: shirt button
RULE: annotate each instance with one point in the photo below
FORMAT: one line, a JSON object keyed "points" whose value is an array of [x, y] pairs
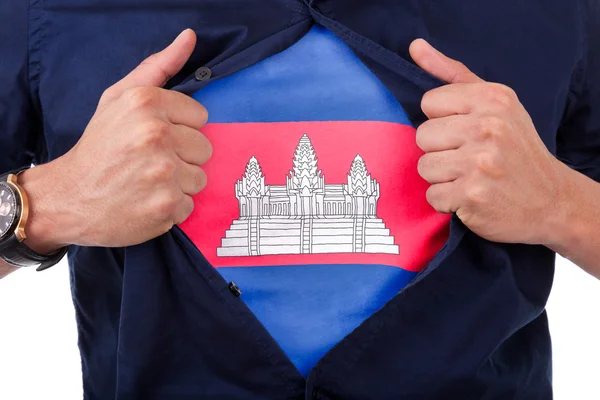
{"points": [[235, 289], [203, 73]]}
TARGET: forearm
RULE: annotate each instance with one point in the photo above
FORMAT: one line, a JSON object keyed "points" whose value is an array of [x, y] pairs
{"points": [[574, 230]]}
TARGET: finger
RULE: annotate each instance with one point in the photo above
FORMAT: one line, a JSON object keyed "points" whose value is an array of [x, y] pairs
{"points": [[181, 109], [439, 65], [441, 166], [445, 133], [157, 69], [190, 178], [468, 98], [457, 99], [184, 210], [191, 146], [442, 197]]}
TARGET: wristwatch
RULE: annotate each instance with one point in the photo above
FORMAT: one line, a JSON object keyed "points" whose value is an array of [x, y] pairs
{"points": [[14, 211]]}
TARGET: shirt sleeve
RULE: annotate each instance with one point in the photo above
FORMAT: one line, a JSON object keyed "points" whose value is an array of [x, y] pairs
{"points": [[20, 131], [578, 141]]}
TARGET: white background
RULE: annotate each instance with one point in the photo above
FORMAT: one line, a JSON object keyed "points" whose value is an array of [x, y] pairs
{"points": [[38, 341]]}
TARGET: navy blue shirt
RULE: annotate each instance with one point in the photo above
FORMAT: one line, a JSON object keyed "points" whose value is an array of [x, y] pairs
{"points": [[157, 321]]}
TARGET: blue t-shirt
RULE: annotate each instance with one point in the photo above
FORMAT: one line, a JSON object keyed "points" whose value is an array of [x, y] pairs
{"points": [[314, 206]]}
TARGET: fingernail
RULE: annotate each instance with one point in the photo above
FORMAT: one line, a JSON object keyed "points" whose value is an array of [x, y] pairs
{"points": [[181, 34]]}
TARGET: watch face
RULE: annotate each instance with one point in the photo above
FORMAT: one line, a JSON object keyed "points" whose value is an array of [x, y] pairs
{"points": [[8, 209]]}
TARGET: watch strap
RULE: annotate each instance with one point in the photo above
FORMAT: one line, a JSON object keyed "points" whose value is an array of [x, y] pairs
{"points": [[18, 254], [13, 172]]}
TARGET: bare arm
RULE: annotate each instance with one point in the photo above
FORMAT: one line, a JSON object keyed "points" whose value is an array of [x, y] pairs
{"points": [[574, 233]]}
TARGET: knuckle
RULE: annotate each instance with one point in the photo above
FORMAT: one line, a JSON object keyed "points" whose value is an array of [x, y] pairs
{"points": [[421, 136], [154, 133], [422, 165], [161, 171], [460, 66], [203, 113], [207, 148], [199, 112], [507, 90], [141, 97], [200, 180], [487, 162], [108, 95], [438, 200], [427, 100], [197, 181], [492, 127], [502, 95], [490, 163], [150, 60], [167, 225], [433, 198], [463, 74], [476, 194], [187, 208], [166, 206], [430, 195]]}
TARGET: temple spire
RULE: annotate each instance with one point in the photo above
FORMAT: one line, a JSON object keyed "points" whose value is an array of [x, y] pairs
{"points": [[359, 180], [305, 174], [253, 181]]}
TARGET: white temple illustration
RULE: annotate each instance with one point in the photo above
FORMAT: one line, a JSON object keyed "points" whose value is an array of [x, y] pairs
{"points": [[306, 215]]}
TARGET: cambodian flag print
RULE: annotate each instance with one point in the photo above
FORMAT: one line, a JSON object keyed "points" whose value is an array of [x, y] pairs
{"points": [[313, 206]]}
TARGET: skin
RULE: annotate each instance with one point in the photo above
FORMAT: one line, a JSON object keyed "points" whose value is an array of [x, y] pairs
{"points": [[486, 162], [482, 156], [131, 176]]}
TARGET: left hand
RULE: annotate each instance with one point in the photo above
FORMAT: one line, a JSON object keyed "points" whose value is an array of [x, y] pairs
{"points": [[483, 157]]}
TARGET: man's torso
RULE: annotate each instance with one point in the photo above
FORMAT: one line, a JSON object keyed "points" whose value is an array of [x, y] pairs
{"points": [[80, 49]]}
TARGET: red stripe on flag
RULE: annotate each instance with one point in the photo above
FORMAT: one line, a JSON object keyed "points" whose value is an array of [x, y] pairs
{"points": [[388, 151]]}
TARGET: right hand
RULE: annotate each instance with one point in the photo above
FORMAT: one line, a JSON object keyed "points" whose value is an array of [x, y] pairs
{"points": [[131, 176]]}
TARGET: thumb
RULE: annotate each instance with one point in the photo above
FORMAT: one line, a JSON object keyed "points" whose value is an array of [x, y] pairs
{"points": [[157, 69], [440, 66]]}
